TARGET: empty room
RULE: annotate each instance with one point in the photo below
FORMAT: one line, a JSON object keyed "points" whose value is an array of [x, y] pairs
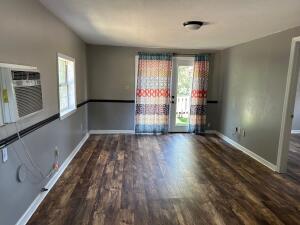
{"points": [[170, 112]]}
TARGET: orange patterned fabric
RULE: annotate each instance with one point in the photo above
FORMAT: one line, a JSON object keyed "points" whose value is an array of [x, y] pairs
{"points": [[199, 94], [153, 93]]}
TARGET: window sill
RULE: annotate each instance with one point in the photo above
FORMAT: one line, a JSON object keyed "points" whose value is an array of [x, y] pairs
{"points": [[67, 113]]}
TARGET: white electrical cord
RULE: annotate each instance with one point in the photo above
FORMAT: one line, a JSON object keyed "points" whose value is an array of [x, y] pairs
{"points": [[28, 156], [28, 169], [42, 177], [20, 159], [28, 153], [55, 165]]}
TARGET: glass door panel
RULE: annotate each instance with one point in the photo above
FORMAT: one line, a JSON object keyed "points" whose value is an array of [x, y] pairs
{"points": [[181, 93]]}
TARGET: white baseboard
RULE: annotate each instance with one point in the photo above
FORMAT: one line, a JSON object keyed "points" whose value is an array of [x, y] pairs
{"points": [[295, 131], [211, 132], [111, 132], [247, 151], [130, 132], [38, 200]]}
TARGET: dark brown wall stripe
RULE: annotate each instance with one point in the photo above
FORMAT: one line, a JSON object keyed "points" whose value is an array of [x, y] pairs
{"points": [[82, 103], [212, 101], [111, 100], [14, 137]]}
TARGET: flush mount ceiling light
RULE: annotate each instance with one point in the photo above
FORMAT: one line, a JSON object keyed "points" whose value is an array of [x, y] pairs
{"points": [[193, 25]]}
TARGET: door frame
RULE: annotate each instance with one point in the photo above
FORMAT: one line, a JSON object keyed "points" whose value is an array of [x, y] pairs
{"points": [[288, 105], [173, 89]]}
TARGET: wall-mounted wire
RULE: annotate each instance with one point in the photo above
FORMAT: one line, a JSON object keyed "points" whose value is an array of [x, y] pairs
{"points": [[22, 162], [28, 153], [41, 177]]}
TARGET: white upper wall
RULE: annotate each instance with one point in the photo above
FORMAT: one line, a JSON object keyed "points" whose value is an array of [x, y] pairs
{"points": [[158, 23]]}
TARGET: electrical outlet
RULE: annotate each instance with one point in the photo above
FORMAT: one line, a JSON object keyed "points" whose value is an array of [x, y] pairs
{"points": [[244, 133], [236, 130], [4, 154], [240, 130], [56, 151]]}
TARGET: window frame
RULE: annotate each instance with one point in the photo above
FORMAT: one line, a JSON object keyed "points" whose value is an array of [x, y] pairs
{"points": [[69, 111]]}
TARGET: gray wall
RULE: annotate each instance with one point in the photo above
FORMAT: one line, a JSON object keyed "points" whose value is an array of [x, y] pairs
{"points": [[296, 120], [254, 76], [111, 75], [30, 35], [111, 116], [16, 197]]}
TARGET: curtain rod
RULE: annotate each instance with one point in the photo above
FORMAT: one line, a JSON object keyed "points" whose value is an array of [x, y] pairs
{"points": [[184, 54], [189, 54]]}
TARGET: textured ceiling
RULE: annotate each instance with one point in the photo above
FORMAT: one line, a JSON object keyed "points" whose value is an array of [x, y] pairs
{"points": [[158, 23]]}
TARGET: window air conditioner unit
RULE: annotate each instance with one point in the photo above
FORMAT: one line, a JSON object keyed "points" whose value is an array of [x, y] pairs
{"points": [[21, 92]]}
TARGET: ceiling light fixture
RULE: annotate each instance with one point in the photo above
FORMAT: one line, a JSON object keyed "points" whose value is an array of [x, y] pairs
{"points": [[193, 25]]}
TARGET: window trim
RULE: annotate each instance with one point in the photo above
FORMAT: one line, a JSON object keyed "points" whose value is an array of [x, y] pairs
{"points": [[66, 113]]}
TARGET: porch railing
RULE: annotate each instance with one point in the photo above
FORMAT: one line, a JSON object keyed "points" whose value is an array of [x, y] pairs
{"points": [[183, 106]]}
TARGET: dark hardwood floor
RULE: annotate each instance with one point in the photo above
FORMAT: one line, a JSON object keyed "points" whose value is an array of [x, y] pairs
{"points": [[294, 157], [169, 179]]}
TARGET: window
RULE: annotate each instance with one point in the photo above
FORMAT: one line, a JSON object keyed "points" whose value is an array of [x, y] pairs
{"points": [[66, 81]]}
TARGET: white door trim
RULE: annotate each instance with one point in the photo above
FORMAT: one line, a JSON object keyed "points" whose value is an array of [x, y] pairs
{"points": [[288, 105], [183, 60], [136, 68]]}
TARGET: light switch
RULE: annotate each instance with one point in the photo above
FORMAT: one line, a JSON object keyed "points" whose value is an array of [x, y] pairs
{"points": [[4, 154]]}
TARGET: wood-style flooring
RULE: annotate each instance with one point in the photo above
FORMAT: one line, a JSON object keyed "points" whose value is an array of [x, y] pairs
{"points": [[175, 179], [293, 168]]}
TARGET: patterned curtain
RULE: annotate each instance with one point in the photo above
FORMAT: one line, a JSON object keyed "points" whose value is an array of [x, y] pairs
{"points": [[153, 93], [199, 94]]}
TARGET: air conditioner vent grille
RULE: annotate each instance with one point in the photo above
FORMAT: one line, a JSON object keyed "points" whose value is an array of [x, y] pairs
{"points": [[29, 99], [19, 75], [25, 75], [33, 76]]}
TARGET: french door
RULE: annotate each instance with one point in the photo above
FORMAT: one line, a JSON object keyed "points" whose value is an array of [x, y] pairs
{"points": [[181, 87]]}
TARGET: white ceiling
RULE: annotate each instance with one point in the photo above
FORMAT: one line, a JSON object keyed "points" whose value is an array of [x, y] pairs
{"points": [[158, 23]]}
